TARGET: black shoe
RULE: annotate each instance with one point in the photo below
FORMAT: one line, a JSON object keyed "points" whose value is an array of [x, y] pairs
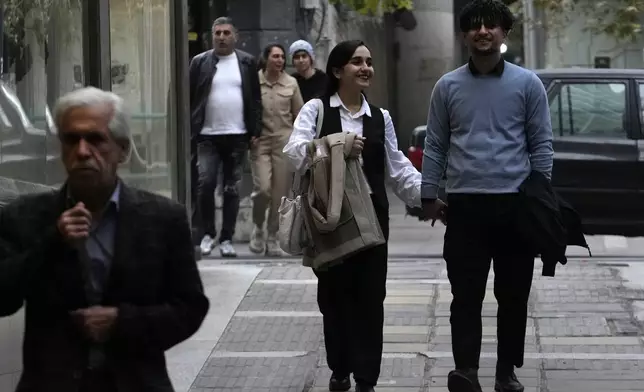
{"points": [[339, 383], [364, 388], [507, 383], [463, 381]]}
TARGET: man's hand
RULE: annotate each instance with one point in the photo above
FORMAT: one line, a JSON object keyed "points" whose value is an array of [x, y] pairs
{"points": [[358, 145], [253, 141], [435, 210], [96, 322], [75, 223]]}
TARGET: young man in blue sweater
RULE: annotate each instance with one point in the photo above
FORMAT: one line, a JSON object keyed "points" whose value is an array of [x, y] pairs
{"points": [[488, 127]]}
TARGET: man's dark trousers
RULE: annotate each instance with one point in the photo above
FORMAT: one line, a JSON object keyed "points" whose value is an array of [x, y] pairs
{"points": [[482, 228], [215, 153]]}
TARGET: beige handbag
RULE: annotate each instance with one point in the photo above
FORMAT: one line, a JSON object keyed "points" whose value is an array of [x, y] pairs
{"points": [[337, 208], [292, 233]]}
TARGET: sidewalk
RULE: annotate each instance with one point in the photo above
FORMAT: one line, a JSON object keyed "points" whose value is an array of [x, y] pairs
{"points": [[410, 238], [264, 331]]}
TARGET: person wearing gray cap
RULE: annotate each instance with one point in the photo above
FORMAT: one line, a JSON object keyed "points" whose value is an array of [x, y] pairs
{"points": [[311, 80]]}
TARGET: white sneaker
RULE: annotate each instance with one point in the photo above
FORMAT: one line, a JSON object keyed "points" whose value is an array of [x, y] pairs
{"points": [[207, 245], [226, 249], [257, 243], [273, 248]]}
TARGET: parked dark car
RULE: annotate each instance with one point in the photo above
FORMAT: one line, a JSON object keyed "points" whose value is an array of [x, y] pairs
{"points": [[597, 122]]}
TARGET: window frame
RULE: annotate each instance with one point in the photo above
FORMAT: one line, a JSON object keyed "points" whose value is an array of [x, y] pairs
{"points": [[638, 107], [633, 122], [97, 66]]}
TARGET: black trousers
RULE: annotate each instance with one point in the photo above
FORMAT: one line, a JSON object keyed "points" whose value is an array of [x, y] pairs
{"points": [[351, 298], [482, 228], [215, 153]]}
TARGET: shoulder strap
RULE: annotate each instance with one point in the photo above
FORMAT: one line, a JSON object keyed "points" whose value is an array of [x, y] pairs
{"points": [[296, 187], [320, 118]]}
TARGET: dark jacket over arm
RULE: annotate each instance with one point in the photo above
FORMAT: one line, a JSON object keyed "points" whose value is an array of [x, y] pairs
{"points": [[548, 222]]}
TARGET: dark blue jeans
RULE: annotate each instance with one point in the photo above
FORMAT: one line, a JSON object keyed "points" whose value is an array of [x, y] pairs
{"points": [[223, 153]]}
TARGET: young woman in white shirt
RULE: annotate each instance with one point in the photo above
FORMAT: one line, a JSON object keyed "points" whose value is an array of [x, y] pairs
{"points": [[351, 294]]}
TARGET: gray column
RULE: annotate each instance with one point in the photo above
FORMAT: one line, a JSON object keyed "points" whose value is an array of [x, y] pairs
{"points": [[426, 53], [273, 21]]}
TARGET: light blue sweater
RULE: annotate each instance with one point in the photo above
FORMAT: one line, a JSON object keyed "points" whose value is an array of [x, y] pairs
{"points": [[490, 130]]}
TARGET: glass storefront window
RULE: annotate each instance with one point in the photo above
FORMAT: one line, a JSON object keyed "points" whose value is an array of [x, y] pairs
{"points": [[141, 74], [41, 59]]}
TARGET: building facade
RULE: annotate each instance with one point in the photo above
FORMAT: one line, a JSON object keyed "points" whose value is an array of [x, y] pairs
{"points": [[573, 45], [136, 48]]}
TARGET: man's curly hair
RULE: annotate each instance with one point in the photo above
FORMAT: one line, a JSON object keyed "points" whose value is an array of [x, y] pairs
{"points": [[490, 13]]}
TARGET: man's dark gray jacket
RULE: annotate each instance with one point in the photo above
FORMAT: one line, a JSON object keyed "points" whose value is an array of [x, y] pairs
{"points": [[202, 69], [154, 282]]}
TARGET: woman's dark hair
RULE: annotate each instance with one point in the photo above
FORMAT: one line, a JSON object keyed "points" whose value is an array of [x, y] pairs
{"points": [[489, 13], [261, 64], [340, 56]]}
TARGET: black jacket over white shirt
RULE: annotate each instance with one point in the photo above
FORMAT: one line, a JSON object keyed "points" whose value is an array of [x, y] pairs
{"points": [[202, 70]]}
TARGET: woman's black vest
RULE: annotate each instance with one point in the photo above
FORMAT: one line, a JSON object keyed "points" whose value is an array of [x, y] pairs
{"points": [[373, 154]]}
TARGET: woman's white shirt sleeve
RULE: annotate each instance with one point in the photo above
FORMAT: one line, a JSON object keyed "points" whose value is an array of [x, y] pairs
{"points": [[304, 129], [402, 176]]}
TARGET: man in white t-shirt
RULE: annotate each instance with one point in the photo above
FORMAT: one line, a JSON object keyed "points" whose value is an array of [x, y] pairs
{"points": [[226, 109]]}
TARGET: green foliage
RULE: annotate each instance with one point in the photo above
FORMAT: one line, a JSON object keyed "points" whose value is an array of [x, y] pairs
{"points": [[620, 19], [375, 7]]}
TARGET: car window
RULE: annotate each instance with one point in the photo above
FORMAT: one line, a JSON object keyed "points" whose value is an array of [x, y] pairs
{"points": [[595, 109], [641, 91]]}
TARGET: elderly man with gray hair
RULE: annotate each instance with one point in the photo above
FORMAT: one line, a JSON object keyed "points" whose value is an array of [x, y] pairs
{"points": [[107, 272]]}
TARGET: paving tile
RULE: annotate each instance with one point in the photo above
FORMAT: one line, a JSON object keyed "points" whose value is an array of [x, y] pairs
{"points": [[487, 321], [399, 292], [591, 340], [280, 297], [405, 347], [589, 307], [445, 330], [406, 329], [445, 296], [408, 300], [258, 334], [260, 374]]}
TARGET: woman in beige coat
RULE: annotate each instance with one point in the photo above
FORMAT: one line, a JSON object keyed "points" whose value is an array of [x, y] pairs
{"points": [[281, 102]]}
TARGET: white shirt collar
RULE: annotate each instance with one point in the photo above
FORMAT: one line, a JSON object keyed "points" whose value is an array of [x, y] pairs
{"points": [[335, 102]]}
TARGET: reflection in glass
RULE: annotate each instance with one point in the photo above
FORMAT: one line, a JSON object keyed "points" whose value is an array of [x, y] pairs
{"points": [[41, 45], [141, 60], [589, 109]]}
